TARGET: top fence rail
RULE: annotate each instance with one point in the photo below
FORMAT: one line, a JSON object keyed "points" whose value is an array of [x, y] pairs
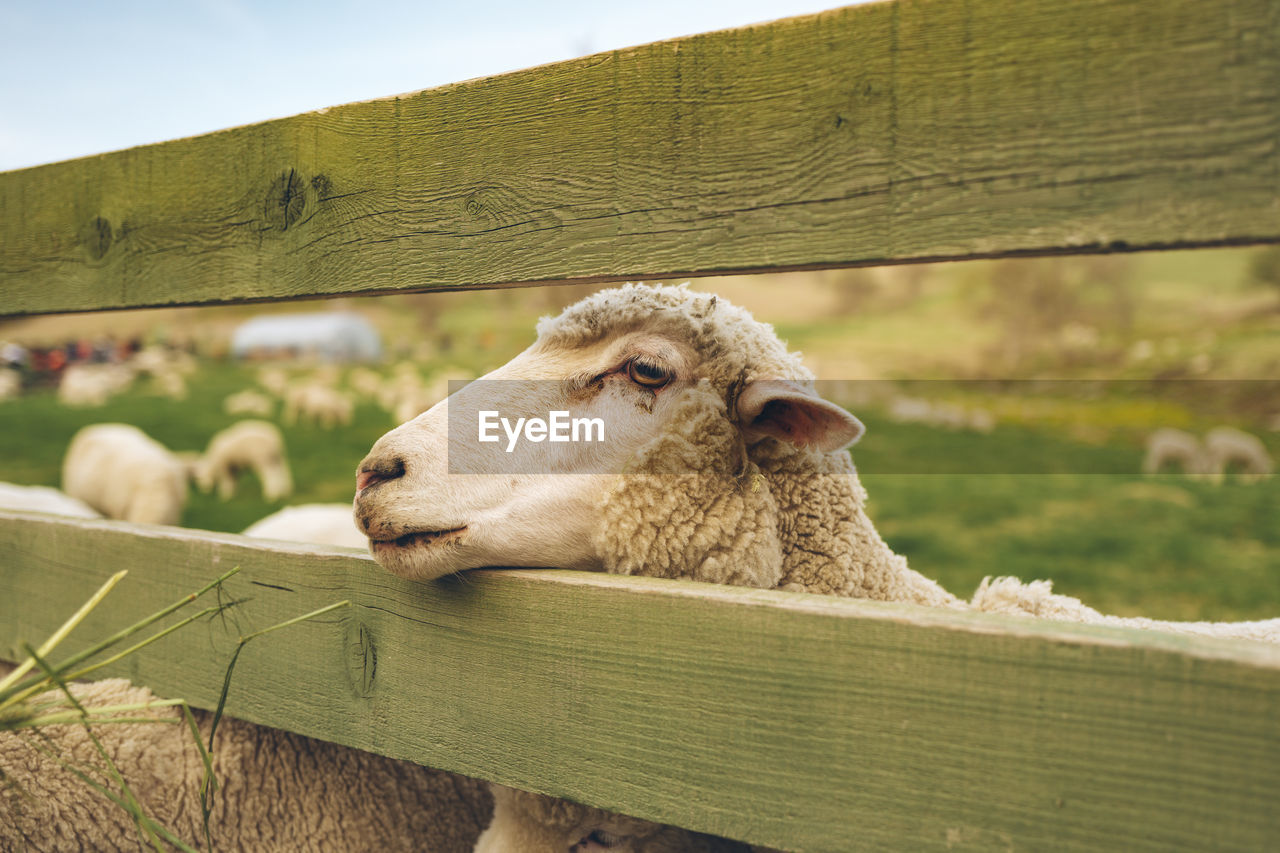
{"points": [[891, 132]]}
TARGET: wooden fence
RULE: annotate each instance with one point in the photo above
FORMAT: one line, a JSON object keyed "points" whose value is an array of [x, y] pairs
{"points": [[894, 132]]}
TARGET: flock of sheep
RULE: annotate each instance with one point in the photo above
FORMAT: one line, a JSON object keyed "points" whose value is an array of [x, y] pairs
{"points": [[1223, 449], [117, 471]]}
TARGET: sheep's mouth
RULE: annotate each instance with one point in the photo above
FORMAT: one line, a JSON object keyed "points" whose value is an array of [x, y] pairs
{"points": [[420, 537]]}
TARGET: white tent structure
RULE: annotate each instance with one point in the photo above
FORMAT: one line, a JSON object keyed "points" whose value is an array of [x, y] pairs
{"points": [[326, 336]]}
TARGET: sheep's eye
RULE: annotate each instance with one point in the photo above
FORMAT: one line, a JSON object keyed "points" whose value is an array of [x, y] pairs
{"points": [[648, 375]]}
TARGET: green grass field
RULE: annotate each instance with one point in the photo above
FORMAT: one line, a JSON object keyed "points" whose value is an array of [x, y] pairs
{"points": [[1163, 547]]}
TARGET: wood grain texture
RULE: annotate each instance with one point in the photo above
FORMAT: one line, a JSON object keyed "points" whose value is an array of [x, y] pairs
{"points": [[805, 722], [920, 129]]}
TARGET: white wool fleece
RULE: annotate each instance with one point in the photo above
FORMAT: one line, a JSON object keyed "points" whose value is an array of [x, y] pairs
{"points": [[278, 791]]}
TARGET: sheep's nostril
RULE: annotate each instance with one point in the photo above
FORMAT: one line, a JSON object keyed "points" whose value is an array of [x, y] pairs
{"points": [[379, 471]]}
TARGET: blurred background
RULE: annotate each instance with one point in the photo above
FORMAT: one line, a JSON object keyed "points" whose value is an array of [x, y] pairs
{"points": [[1014, 407]]}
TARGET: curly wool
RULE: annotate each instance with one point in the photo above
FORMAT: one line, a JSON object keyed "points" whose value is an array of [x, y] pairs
{"points": [[278, 791], [698, 502]]}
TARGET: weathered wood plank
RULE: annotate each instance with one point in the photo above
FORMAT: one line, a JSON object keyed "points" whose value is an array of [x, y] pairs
{"points": [[800, 721], [891, 132]]}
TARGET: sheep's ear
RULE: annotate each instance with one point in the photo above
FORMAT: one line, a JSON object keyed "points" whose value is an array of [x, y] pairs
{"points": [[791, 412]]}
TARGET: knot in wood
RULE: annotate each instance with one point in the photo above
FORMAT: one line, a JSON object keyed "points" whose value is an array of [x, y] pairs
{"points": [[361, 657], [96, 237], [285, 200]]}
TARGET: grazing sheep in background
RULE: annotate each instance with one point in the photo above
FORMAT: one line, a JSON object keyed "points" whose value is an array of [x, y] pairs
{"points": [[320, 404], [255, 446], [92, 384], [277, 791], [320, 524], [1174, 447], [365, 382], [724, 466], [948, 415], [169, 383], [123, 473], [10, 383], [44, 499], [401, 384], [155, 360], [1226, 446], [248, 402], [274, 379]]}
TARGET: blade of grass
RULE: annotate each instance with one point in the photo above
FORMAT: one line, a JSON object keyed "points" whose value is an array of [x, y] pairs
{"points": [[61, 633], [226, 681], [31, 687], [235, 656], [7, 687], [208, 784], [114, 798], [131, 802]]}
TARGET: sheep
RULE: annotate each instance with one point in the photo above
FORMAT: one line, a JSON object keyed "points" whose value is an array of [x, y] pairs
{"points": [[1225, 446], [274, 379], [44, 499], [277, 790], [1168, 446], [92, 384], [724, 467], [123, 473], [248, 402], [543, 823], [948, 415], [321, 524], [413, 400], [245, 445], [322, 404], [169, 383], [156, 360], [10, 383], [365, 382]]}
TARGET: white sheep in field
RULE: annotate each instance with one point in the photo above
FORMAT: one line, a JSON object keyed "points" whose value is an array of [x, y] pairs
{"points": [[250, 445], [319, 524], [88, 385], [365, 382], [1168, 447], [248, 402], [169, 383], [416, 399], [946, 415], [123, 473], [1226, 447], [723, 466], [317, 403], [155, 360], [10, 383], [44, 499], [274, 379]]}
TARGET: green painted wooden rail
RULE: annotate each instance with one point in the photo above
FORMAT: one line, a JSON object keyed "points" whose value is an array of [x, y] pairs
{"points": [[887, 133]]}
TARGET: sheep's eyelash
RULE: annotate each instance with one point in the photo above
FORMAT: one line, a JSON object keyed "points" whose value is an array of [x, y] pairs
{"points": [[581, 381]]}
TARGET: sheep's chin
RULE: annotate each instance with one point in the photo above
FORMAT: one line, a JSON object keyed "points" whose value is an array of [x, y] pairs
{"points": [[424, 556]]}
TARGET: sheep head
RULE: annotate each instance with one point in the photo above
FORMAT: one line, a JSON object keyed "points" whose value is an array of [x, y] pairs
{"points": [[689, 389], [539, 824]]}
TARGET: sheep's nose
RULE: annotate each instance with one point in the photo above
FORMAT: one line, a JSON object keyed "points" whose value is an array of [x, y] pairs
{"points": [[377, 471]]}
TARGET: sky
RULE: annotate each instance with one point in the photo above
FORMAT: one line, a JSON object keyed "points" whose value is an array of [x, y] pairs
{"points": [[83, 77]]}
